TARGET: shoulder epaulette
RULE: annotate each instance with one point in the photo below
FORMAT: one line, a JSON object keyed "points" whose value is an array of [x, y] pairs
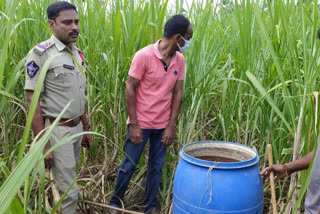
{"points": [[41, 48]]}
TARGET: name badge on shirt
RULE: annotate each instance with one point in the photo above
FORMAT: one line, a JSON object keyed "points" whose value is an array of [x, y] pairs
{"points": [[68, 67]]}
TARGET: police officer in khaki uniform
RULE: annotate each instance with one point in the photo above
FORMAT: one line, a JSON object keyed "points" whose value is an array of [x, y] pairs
{"points": [[64, 81]]}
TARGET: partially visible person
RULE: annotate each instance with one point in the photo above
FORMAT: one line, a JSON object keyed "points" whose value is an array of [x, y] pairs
{"points": [[153, 97], [64, 82], [312, 202]]}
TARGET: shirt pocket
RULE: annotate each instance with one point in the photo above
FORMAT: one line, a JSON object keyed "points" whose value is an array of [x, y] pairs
{"points": [[62, 77]]}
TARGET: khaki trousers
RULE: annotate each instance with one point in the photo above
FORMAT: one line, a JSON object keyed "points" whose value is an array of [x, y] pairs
{"points": [[65, 159]]}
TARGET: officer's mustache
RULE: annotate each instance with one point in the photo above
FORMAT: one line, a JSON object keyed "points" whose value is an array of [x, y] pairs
{"points": [[74, 33]]}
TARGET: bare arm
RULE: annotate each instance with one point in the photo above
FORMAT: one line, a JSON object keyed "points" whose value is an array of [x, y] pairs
{"points": [[131, 88], [85, 122], [176, 103], [170, 131], [37, 125], [86, 139], [135, 130], [300, 164], [281, 171]]}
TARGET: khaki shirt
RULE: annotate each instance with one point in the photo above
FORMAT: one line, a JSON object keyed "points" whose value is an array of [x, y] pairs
{"points": [[64, 80]]}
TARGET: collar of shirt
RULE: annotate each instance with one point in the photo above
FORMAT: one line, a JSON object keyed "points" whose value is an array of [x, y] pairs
{"points": [[60, 46], [157, 53]]}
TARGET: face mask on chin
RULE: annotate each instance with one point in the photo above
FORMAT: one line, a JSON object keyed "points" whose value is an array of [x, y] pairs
{"points": [[185, 47]]}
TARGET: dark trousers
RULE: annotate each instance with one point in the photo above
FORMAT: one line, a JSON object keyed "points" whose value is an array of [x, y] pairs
{"points": [[132, 155]]}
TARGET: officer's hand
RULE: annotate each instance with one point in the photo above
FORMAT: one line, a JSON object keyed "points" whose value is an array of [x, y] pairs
{"points": [[86, 141], [48, 160], [278, 170], [169, 135], [135, 133]]}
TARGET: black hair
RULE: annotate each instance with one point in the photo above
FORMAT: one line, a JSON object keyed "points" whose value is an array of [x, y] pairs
{"points": [[177, 24], [55, 8]]}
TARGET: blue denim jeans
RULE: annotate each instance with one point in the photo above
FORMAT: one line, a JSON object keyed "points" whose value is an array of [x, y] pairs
{"points": [[133, 152]]}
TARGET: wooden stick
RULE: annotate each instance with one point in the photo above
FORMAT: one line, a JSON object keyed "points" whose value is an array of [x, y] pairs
{"points": [[111, 207], [273, 190]]}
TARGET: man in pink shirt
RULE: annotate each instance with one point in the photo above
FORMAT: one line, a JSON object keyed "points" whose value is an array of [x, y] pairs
{"points": [[153, 97]]}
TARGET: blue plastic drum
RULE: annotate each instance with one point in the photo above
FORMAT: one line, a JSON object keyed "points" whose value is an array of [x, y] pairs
{"points": [[217, 177]]}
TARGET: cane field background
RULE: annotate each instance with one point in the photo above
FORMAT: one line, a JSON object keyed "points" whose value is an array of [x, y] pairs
{"points": [[252, 76]]}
